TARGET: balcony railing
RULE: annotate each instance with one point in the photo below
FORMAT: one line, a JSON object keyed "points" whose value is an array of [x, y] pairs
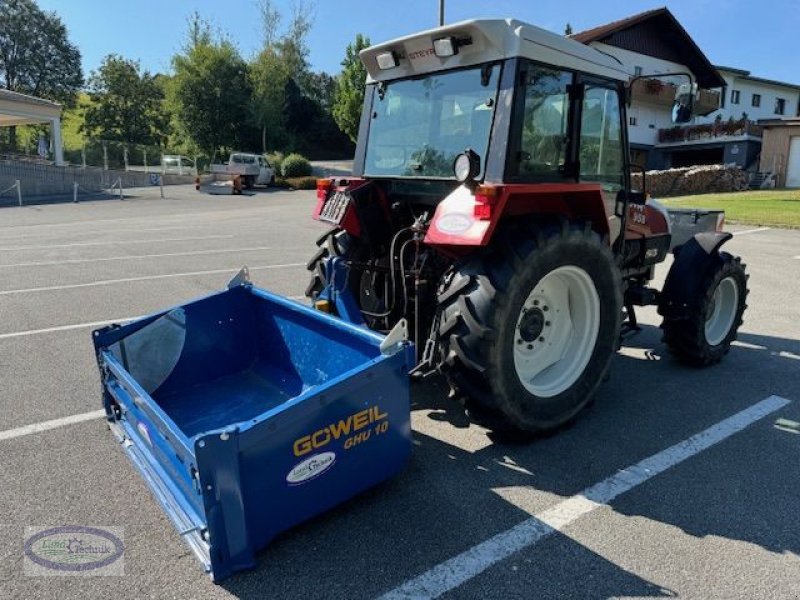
{"points": [[709, 131], [662, 93]]}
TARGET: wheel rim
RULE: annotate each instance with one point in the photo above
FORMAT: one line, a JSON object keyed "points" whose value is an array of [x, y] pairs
{"points": [[722, 311], [556, 331]]}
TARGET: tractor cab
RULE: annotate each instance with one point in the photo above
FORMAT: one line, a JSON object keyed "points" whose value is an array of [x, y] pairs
{"points": [[540, 120]]}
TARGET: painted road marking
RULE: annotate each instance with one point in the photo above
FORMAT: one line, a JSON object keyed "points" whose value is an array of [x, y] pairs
{"points": [[749, 231], [51, 288], [10, 434], [115, 242], [130, 257], [16, 334], [452, 573]]}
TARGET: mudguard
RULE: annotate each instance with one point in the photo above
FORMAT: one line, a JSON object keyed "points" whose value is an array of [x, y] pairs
{"points": [[693, 262]]}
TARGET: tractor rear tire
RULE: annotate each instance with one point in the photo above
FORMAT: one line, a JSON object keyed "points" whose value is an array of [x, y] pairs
{"points": [[335, 242], [552, 295], [706, 336]]}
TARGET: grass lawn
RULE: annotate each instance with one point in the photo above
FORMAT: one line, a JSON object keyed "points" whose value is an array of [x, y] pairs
{"points": [[776, 208]]}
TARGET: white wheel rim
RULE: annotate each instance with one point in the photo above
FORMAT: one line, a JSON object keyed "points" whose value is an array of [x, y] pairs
{"points": [[569, 314], [722, 311]]}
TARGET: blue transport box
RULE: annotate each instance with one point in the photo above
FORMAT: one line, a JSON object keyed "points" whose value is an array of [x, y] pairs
{"points": [[247, 413]]}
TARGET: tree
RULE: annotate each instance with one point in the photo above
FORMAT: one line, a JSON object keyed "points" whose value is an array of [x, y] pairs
{"points": [[270, 21], [323, 90], [210, 90], [280, 76], [36, 56], [269, 76], [349, 95], [127, 103], [568, 29], [293, 46]]}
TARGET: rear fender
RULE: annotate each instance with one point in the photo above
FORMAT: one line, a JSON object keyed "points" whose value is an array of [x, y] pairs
{"points": [[349, 220], [694, 260], [467, 218], [361, 208]]}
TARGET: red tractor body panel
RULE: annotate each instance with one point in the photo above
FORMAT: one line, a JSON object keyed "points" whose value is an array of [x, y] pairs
{"points": [[467, 219]]}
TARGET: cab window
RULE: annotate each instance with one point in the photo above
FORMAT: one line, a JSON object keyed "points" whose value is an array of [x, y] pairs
{"points": [[545, 121], [601, 148]]}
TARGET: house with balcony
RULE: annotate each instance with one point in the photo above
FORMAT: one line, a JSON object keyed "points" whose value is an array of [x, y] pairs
{"points": [[734, 132], [730, 101], [655, 43]]}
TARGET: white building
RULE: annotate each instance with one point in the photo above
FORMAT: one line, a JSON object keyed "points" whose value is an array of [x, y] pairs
{"points": [[20, 109], [732, 100], [755, 97]]}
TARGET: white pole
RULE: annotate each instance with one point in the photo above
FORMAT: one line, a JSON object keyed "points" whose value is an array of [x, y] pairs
{"points": [[105, 157], [19, 191], [144, 151], [75, 191], [58, 146], [161, 185], [125, 156], [83, 156], [119, 181]]}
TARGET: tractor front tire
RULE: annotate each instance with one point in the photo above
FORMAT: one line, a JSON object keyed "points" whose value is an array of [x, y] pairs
{"points": [[706, 335], [528, 332]]}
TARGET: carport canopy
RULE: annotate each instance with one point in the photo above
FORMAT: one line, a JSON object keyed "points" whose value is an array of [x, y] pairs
{"points": [[21, 109]]}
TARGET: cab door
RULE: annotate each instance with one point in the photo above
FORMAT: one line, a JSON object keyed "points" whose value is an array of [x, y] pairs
{"points": [[602, 148]]}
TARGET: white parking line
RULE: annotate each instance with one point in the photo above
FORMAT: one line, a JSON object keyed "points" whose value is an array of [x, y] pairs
{"points": [[16, 334], [10, 434], [71, 286], [58, 328], [76, 261], [452, 573], [115, 243], [749, 231]]}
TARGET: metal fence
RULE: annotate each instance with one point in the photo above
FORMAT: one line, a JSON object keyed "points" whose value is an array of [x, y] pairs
{"points": [[24, 180], [111, 155]]}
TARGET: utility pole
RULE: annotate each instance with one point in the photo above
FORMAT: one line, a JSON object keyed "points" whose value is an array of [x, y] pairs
{"points": [[441, 13]]}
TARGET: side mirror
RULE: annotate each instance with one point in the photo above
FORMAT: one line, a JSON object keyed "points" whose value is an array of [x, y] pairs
{"points": [[683, 108]]}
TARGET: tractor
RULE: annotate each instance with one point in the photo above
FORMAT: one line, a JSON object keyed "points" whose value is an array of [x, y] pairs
{"points": [[491, 212], [489, 232]]}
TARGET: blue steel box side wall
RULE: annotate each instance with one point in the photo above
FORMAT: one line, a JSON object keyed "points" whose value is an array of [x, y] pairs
{"points": [[266, 455]]}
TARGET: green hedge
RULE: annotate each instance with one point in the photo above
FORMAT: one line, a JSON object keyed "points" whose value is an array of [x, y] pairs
{"points": [[276, 160], [298, 183], [295, 165]]}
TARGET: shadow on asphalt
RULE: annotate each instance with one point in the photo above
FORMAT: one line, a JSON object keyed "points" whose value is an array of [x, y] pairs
{"points": [[447, 499]]}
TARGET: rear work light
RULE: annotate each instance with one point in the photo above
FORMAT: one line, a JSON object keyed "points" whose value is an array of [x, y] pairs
{"points": [[448, 46], [486, 197], [444, 47], [387, 60]]}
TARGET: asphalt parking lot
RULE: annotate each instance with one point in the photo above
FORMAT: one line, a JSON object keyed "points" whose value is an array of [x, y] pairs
{"points": [[469, 517]]}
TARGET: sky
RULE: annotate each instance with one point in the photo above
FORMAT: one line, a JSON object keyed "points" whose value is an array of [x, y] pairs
{"points": [[757, 36]]}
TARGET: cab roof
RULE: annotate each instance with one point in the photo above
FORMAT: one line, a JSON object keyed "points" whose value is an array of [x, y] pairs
{"points": [[490, 40]]}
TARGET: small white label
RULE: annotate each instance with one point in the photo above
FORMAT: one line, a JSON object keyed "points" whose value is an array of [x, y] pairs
{"points": [[310, 468], [454, 223]]}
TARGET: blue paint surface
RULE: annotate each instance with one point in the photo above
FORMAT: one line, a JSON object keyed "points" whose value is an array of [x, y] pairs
{"points": [[272, 414]]}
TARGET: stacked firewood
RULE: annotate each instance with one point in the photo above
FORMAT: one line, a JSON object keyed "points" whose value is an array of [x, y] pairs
{"points": [[702, 179]]}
